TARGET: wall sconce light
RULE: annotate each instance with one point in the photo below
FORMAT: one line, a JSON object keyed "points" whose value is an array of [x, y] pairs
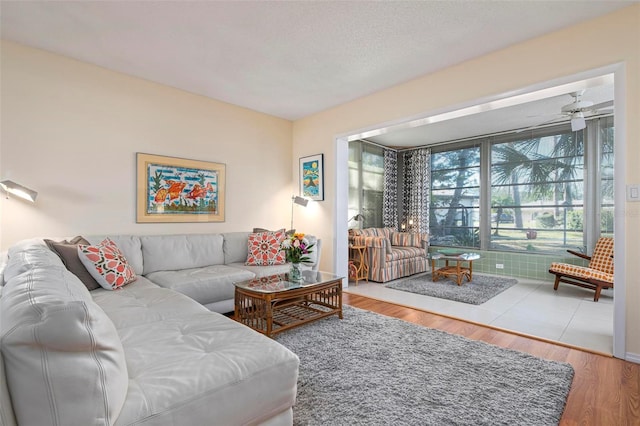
{"points": [[10, 187], [299, 201]]}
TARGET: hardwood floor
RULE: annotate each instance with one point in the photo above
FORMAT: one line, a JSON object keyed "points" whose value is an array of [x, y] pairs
{"points": [[605, 390]]}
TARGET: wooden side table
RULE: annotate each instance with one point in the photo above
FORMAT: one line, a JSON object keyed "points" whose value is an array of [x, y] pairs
{"points": [[358, 263]]}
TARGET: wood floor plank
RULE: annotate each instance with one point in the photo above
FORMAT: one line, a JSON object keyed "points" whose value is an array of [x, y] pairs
{"points": [[605, 390]]}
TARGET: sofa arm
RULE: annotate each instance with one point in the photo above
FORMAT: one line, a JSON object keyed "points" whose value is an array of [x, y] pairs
{"points": [[424, 242], [376, 246], [318, 250]]}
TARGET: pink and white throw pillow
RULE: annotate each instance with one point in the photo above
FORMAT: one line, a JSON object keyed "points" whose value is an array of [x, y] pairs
{"points": [[106, 264], [264, 249]]}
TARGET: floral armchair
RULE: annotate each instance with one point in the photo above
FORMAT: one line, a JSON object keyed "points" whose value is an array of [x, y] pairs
{"points": [[392, 254]]}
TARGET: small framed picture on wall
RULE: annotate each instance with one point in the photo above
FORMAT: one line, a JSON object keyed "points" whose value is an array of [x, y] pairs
{"points": [[312, 177]]}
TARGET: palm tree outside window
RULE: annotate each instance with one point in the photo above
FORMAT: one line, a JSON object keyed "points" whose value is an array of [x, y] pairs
{"points": [[546, 190]]}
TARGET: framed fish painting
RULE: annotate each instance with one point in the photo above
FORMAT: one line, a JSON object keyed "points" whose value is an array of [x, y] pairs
{"points": [[174, 189], [312, 177]]}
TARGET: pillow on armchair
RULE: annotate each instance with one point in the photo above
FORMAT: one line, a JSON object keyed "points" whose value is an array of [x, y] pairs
{"points": [[406, 239]]}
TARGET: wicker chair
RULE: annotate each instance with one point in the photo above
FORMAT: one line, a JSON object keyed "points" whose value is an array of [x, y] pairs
{"points": [[596, 276]]}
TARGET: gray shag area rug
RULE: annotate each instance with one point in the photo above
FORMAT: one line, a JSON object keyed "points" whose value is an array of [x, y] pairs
{"points": [[479, 290], [370, 369]]}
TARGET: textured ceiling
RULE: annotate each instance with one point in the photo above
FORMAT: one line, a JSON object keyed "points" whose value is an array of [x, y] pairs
{"points": [[288, 59]]}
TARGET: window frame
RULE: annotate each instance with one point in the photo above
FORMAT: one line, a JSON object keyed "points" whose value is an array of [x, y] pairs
{"points": [[591, 177]]}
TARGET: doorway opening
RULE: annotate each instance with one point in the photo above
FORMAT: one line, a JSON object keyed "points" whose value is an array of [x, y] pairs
{"points": [[494, 105]]}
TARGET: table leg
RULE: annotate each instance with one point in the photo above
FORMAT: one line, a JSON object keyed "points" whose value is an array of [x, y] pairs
{"points": [[434, 273], [470, 270], [339, 290], [365, 263], [269, 313]]}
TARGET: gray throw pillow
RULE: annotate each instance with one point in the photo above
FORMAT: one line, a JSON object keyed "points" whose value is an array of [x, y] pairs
{"points": [[68, 253]]}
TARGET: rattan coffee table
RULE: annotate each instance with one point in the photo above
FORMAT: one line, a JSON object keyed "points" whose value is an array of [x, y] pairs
{"points": [[458, 271], [273, 304]]}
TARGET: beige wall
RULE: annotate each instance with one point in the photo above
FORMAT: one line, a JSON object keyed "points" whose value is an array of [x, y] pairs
{"points": [[70, 130], [601, 42]]}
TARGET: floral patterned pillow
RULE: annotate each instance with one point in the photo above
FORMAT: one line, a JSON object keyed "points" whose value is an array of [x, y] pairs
{"points": [[106, 264], [264, 249]]}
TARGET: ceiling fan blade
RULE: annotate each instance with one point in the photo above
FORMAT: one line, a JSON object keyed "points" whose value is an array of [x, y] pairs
{"points": [[601, 105], [560, 118]]}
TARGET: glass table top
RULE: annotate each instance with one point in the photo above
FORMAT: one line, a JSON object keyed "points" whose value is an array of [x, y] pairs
{"points": [[280, 282], [454, 255]]}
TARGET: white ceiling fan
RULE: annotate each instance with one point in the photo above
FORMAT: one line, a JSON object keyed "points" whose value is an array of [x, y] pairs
{"points": [[577, 111]]}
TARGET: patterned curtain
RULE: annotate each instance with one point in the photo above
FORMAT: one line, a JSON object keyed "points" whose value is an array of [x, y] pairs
{"points": [[417, 179], [390, 190]]}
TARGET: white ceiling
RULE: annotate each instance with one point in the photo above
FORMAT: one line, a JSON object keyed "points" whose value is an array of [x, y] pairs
{"points": [[289, 59]]}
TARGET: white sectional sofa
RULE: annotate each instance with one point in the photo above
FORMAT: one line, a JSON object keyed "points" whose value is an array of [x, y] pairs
{"points": [[151, 353], [201, 266]]}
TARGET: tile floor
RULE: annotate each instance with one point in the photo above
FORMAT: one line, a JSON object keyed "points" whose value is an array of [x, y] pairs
{"points": [[568, 315]]}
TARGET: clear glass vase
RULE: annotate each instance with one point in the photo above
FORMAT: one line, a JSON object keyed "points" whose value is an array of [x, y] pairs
{"points": [[295, 273]]}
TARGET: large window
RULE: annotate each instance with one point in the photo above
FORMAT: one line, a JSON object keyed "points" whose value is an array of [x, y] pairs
{"points": [[366, 182], [541, 191], [455, 197], [537, 186], [605, 131]]}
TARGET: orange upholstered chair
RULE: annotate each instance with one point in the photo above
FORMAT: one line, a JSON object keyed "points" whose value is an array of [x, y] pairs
{"points": [[596, 276]]}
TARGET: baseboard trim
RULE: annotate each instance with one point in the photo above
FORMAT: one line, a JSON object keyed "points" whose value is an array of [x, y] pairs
{"points": [[517, 333], [631, 357]]}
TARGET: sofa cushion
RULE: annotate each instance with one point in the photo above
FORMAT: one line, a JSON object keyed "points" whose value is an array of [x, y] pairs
{"points": [[204, 285], [377, 232], [7, 417], [235, 247], [264, 271], [68, 253], [189, 363], [3, 264], [26, 254], [175, 252], [398, 253], [64, 360], [106, 263], [406, 239], [264, 248]]}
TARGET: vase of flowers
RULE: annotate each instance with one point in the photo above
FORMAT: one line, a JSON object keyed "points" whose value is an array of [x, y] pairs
{"points": [[296, 249], [295, 272]]}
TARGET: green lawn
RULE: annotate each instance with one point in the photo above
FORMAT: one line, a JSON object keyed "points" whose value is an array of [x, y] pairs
{"points": [[546, 241]]}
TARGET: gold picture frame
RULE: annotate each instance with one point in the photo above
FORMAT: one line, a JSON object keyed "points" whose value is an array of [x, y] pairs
{"points": [[172, 189]]}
